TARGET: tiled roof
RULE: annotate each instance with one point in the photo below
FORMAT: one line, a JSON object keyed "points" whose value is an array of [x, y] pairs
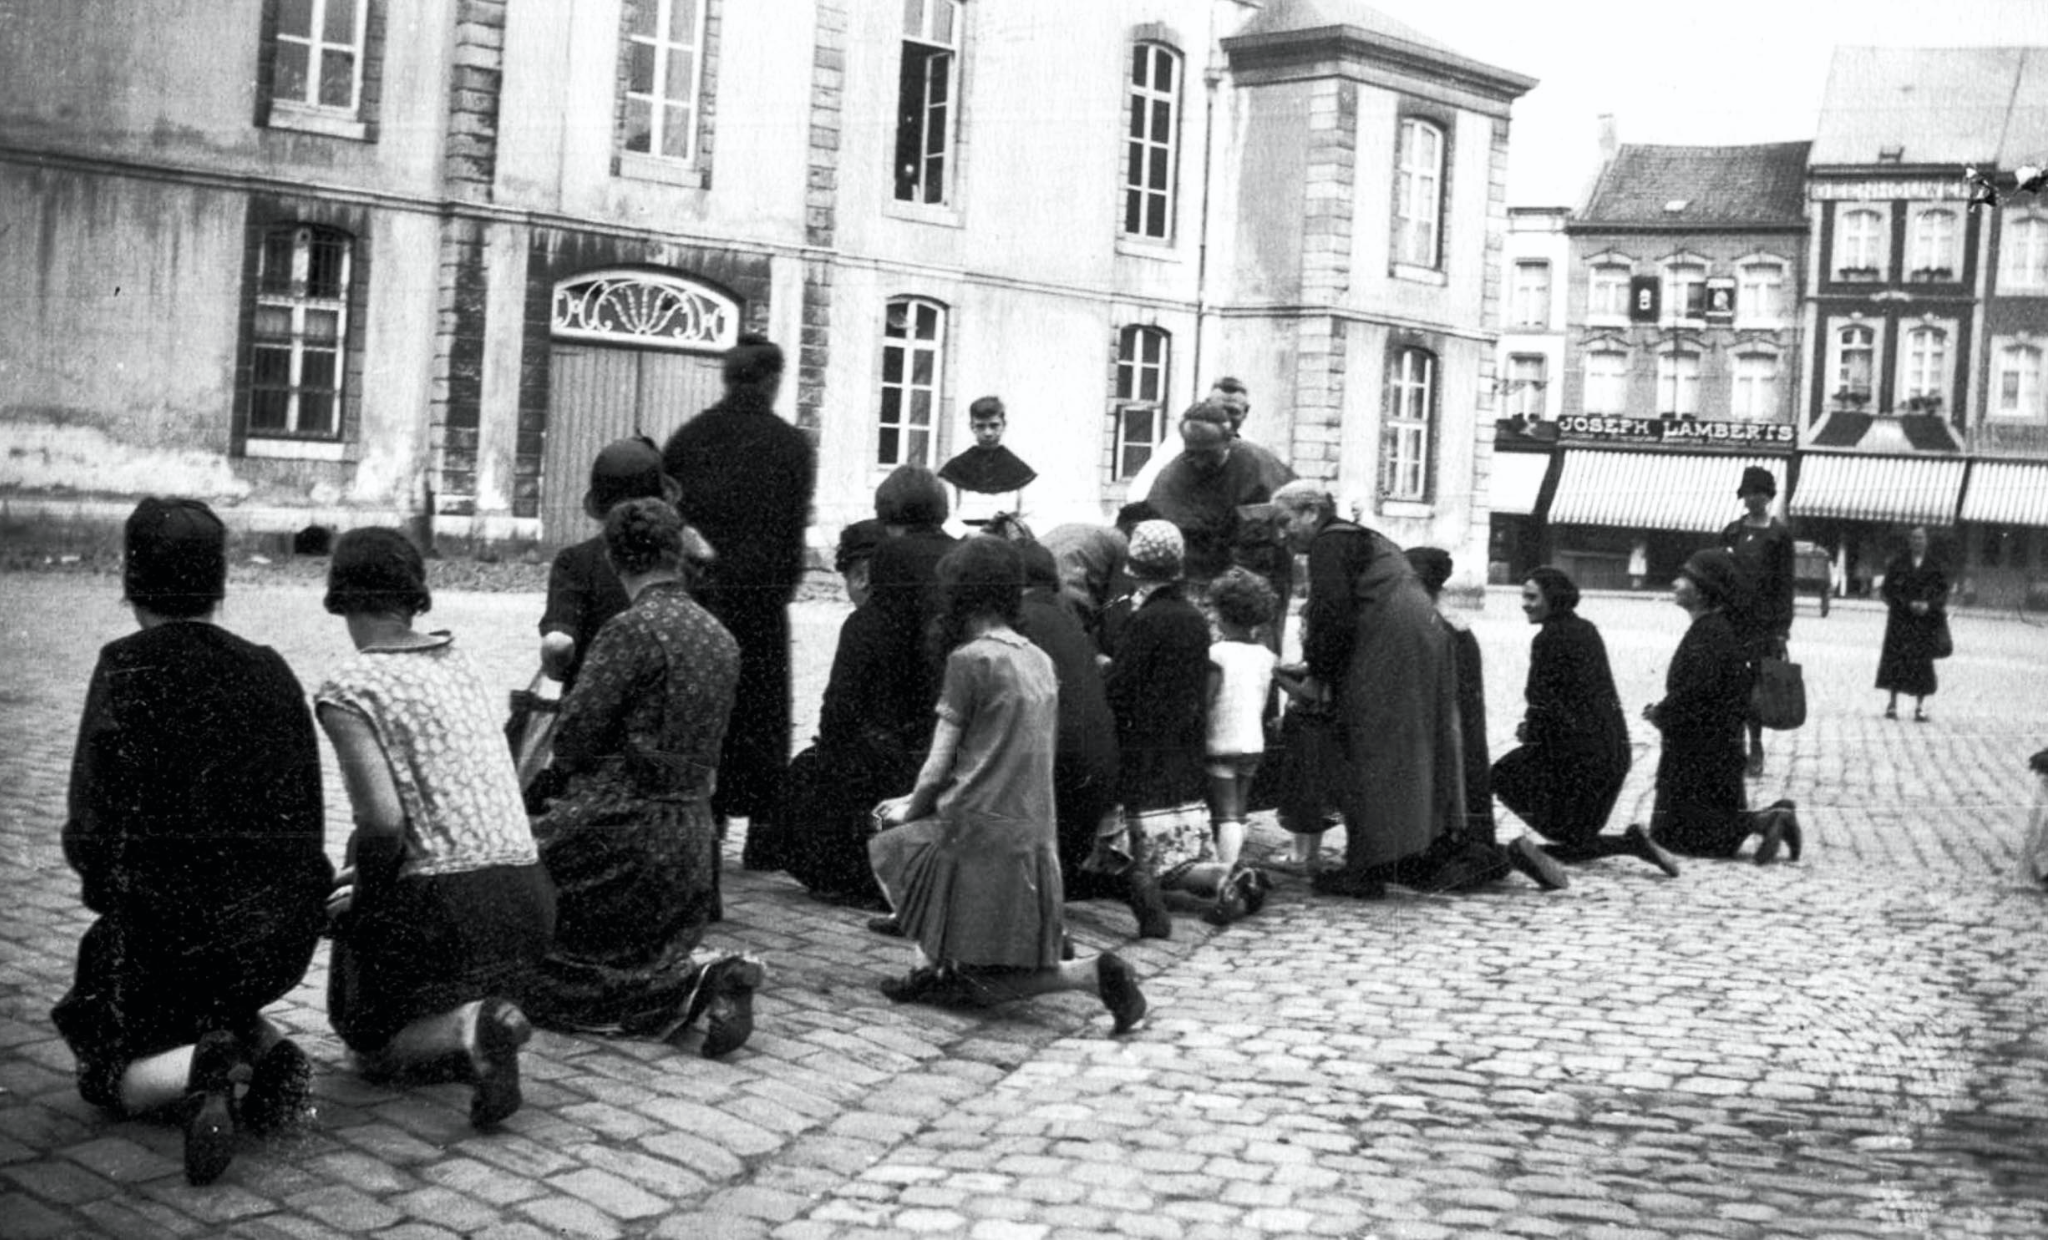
{"points": [[1695, 186], [1287, 16], [1936, 105], [1872, 433]]}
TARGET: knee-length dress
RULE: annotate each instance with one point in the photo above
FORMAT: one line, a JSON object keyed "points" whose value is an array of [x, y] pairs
{"points": [[631, 843], [468, 911], [978, 883]]}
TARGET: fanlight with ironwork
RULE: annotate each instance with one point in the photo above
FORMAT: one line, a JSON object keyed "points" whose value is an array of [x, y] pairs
{"points": [[644, 308]]}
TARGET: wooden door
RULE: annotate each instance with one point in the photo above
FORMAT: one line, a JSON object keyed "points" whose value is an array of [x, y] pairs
{"points": [[597, 395]]}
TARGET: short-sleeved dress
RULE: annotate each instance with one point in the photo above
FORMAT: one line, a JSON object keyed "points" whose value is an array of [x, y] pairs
{"points": [[978, 883], [469, 911]]}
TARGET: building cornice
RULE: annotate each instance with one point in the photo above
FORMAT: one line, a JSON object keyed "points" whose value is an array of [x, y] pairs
{"points": [[1586, 228], [1360, 54]]}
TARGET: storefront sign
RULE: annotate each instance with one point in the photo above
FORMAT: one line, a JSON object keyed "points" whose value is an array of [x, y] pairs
{"points": [[1690, 433]]}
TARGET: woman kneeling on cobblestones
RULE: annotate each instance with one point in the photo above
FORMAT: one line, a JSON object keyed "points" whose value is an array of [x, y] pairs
{"points": [[444, 909], [968, 859], [195, 826]]}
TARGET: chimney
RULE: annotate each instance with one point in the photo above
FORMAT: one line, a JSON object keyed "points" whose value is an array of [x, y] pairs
{"points": [[1609, 143]]}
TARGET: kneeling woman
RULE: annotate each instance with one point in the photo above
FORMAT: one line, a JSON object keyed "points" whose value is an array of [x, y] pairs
{"points": [[631, 842], [448, 910], [968, 859]]}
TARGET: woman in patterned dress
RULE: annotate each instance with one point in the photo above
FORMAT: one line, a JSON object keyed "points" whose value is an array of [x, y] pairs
{"points": [[968, 859], [444, 909], [631, 843]]}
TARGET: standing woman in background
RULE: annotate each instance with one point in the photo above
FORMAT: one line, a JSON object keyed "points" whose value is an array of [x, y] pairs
{"points": [[1916, 602]]}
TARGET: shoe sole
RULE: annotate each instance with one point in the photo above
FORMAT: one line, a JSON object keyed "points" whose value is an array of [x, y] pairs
{"points": [[730, 985], [209, 1139]]}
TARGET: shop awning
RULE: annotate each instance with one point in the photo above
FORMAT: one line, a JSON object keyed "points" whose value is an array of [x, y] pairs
{"points": [[1918, 490], [2007, 493], [1517, 482], [1686, 491]]}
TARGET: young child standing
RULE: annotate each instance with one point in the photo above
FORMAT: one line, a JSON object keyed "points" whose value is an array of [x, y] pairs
{"points": [[1240, 679]]}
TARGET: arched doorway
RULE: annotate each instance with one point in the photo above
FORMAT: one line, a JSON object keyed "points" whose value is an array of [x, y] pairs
{"points": [[632, 352]]}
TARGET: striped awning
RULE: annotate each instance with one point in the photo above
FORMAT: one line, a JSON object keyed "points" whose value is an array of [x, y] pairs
{"points": [[1916, 490], [1685, 491], [2007, 493], [1517, 482]]}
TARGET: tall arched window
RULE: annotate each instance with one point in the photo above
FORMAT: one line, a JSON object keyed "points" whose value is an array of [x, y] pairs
{"points": [[300, 326], [1143, 359], [913, 374], [1152, 147], [1405, 428], [1419, 194]]}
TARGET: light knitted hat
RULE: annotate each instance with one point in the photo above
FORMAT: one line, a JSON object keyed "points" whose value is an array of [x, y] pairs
{"points": [[1155, 554]]}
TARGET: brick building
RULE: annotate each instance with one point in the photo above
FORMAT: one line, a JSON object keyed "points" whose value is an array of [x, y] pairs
{"points": [[340, 262]]}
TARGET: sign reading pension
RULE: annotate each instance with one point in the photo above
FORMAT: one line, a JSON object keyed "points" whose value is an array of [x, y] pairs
{"points": [[1687, 432]]}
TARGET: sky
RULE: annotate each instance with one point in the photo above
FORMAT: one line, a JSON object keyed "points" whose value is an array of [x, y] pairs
{"points": [[1726, 72]]}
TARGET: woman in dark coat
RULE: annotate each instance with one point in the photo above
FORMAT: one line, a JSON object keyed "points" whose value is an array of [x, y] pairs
{"points": [[903, 581], [746, 478], [1565, 776], [1916, 596], [1373, 642], [195, 827], [1700, 806]]}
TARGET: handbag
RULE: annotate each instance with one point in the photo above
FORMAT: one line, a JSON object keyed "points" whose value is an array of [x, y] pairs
{"points": [[530, 727], [1778, 699], [1940, 644]]}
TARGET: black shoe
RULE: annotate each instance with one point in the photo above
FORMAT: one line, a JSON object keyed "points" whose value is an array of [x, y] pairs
{"points": [[917, 986], [1778, 824], [725, 994], [1650, 850], [886, 925], [1919, 715], [1755, 766], [1540, 867], [501, 1029], [1118, 987], [1892, 711], [217, 1064], [1342, 882], [278, 1087], [1142, 894]]}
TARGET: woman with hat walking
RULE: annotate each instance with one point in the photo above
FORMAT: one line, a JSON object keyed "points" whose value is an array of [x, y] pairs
{"points": [[1700, 806], [1762, 546]]}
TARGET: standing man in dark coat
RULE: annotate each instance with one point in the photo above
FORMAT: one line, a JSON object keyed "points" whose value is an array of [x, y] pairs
{"points": [[746, 478]]}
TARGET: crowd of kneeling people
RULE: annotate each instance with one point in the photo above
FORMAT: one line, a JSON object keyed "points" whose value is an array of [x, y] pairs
{"points": [[1010, 722]]}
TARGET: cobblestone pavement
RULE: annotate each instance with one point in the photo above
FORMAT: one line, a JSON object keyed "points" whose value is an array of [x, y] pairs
{"points": [[1852, 1046]]}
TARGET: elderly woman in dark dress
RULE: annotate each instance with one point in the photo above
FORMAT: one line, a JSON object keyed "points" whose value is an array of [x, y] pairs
{"points": [[1373, 644], [446, 909], [1565, 776], [968, 858], [632, 843], [1916, 603], [1700, 806], [195, 828]]}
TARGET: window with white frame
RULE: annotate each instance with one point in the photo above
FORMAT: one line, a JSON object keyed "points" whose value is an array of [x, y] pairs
{"points": [[1531, 294], [1855, 364], [2023, 253], [2016, 381], [1923, 375], [1934, 245], [925, 91], [913, 369], [1859, 244], [1760, 292], [1151, 149], [317, 55], [1678, 384], [1606, 381], [1755, 397], [299, 332], [1528, 380], [1143, 356], [1419, 194], [1405, 432], [664, 76], [1685, 292], [1607, 292]]}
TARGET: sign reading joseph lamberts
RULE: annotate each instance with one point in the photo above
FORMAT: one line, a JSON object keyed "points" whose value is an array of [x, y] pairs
{"points": [[1768, 436]]}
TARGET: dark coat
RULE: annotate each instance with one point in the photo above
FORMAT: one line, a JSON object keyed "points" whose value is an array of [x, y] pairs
{"points": [[583, 593], [1565, 777], [1700, 805], [1158, 686], [903, 588], [747, 477], [196, 830], [1477, 769], [1905, 664], [1204, 504], [1085, 765], [1766, 557], [1375, 639]]}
